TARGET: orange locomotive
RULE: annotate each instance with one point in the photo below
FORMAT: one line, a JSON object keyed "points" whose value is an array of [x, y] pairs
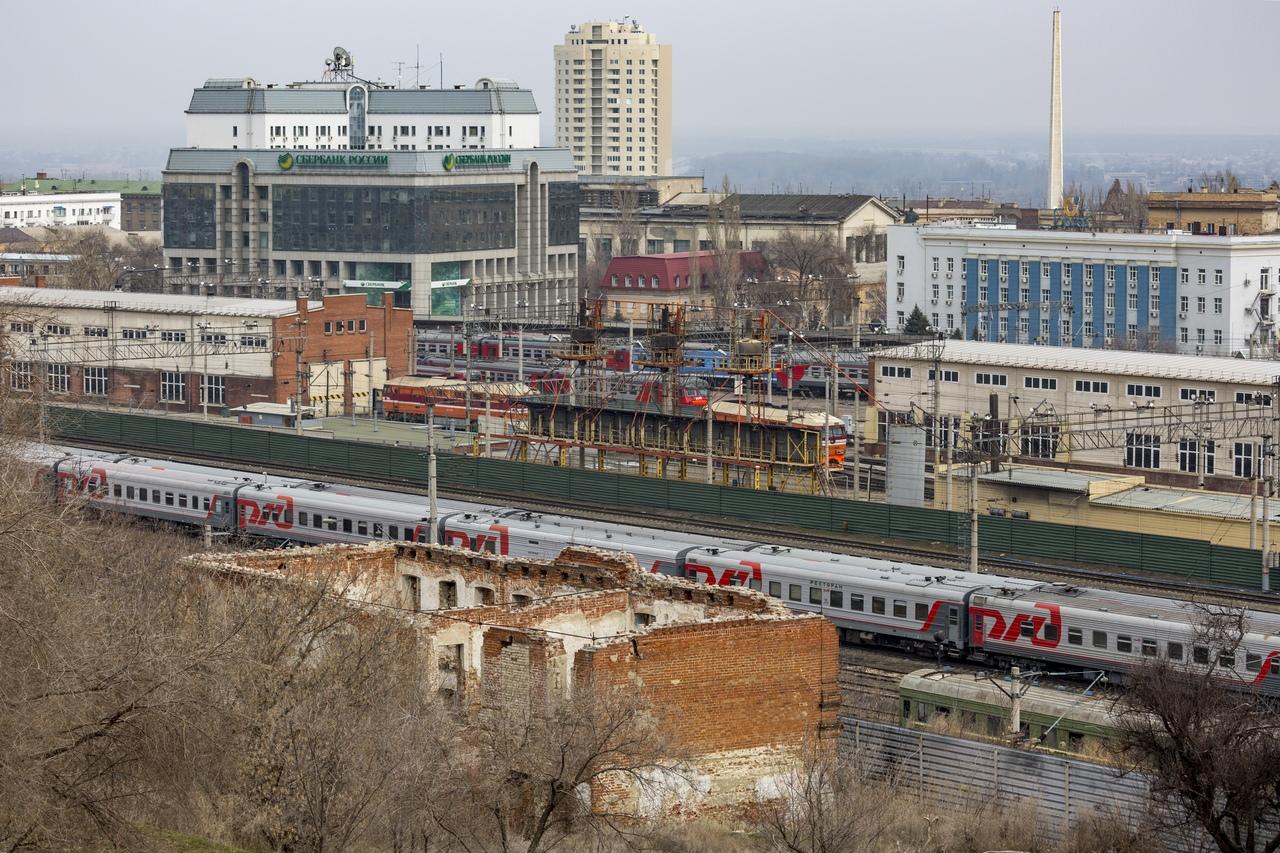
{"points": [[407, 398]]}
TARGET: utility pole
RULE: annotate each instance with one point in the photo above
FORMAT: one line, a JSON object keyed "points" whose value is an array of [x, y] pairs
{"points": [[710, 446], [857, 403], [973, 506], [433, 507], [373, 410], [520, 354], [297, 391]]}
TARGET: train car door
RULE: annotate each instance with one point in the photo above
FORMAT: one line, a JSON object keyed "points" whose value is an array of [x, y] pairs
{"points": [[953, 626]]}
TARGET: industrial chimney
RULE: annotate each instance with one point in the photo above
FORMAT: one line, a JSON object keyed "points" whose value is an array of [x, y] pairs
{"points": [[1054, 199]]}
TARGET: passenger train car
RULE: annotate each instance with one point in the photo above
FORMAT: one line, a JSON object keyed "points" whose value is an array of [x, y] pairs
{"points": [[928, 609]]}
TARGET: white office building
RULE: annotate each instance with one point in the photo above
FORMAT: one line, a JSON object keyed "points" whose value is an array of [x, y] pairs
{"points": [[53, 209], [1150, 412], [1170, 292], [345, 112]]}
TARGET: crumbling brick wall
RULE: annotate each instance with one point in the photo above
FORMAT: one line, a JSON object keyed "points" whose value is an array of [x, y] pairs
{"points": [[743, 698]]}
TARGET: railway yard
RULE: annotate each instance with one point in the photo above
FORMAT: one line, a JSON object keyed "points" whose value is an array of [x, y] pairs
{"points": [[946, 634]]}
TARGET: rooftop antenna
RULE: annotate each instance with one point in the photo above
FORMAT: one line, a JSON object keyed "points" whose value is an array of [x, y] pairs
{"points": [[417, 66], [399, 73]]}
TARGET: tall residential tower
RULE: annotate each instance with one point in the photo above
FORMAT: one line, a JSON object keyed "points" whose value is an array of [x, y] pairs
{"points": [[613, 99]]}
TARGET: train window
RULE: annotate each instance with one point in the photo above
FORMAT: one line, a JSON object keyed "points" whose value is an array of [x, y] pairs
{"points": [[837, 598], [1227, 659], [899, 609], [1051, 633], [117, 491], [1148, 647], [362, 528], [754, 583], [155, 496], [1174, 651], [922, 612], [346, 525], [1124, 643], [128, 493], [1099, 639], [317, 520], [288, 516], [168, 498], [877, 604], [775, 589], [393, 531], [1028, 629], [1200, 654], [204, 504], [182, 501], [331, 522], [422, 535], [1075, 741], [302, 519], [793, 591], [377, 530], [855, 602], [906, 709], [1252, 662], [815, 595], [1075, 636]]}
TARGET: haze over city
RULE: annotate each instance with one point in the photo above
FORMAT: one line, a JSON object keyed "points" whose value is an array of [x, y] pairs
{"points": [[820, 427]]}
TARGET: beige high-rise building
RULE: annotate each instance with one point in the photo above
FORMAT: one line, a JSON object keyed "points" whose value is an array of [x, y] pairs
{"points": [[613, 99]]}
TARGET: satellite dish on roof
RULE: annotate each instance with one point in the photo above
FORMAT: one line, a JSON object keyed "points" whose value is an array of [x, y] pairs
{"points": [[341, 59]]}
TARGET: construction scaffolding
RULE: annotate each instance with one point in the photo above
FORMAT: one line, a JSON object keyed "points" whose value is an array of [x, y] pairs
{"points": [[664, 423]]}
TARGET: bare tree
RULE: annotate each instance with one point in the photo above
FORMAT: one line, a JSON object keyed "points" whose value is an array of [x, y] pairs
{"points": [[814, 270], [629, 228], [571, 769], [724, 232], [1207, 739]]}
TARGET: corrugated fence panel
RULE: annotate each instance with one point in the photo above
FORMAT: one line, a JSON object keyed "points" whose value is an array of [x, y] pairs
{"points": [[371, 458], [994, 534], [408, 463], [463, 472], [870, 519], [692, 497], [139, 428], [174, 434], [939, 766], [1173, 556], [636, 491], [748, 504], [595, 487], [1042, 538], [1109, 547], [932, 525], [1240, 566], [331, 455], [211, 438], [251, 445]]}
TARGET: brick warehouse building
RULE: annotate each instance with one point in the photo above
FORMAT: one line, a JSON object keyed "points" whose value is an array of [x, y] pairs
{"points": [[744, 683], [179, 352]]}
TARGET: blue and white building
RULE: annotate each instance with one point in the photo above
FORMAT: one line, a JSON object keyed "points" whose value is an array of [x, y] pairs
{"points": [[1170, 292]]}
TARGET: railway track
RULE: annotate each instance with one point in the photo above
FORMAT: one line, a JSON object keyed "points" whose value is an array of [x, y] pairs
{"points": [[783, 535]]}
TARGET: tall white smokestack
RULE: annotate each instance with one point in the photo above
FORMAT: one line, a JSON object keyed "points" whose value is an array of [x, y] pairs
{"points": [[1054, 199]]}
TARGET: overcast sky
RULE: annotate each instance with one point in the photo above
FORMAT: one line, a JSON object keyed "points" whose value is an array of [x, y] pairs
{"points": [[749, 70]]}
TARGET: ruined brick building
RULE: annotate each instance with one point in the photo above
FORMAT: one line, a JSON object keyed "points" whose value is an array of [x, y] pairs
{"points": [[743, 683]]}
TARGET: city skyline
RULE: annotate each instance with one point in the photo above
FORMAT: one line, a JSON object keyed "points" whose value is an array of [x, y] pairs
{"points": [[931, 68]]}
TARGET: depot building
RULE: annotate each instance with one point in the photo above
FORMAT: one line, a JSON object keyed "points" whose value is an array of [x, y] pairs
{"points": [[444, 230]]}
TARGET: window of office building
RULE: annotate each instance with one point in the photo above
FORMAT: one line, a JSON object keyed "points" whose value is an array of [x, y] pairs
{"points": [[58, 378], [215, 390], [403, 219], [172, 387], [1191, 454], [95, 381], [1142, 450]]}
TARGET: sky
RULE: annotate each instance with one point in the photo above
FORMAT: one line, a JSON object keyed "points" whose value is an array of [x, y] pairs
{"points": [[745, 73]]}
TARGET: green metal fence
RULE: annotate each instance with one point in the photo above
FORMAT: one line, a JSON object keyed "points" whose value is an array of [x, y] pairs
{"points": [[247, 448]]}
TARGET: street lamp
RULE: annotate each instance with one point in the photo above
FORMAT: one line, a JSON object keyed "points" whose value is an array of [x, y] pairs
{"points": [[203, 325]]}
